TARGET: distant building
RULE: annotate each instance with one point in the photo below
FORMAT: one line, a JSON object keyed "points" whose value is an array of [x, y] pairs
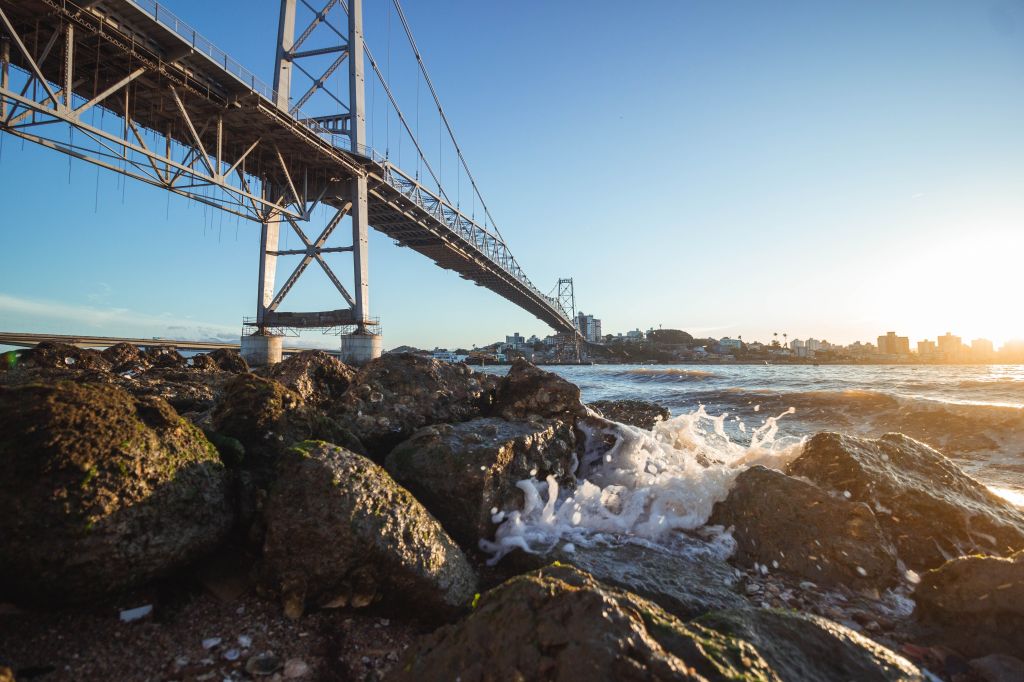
{"points": [[926, 348], [890, 344], [816, 345], [589, 327], [951, 346], [515, 342], [635, 336], [982, 349], [447, 356], [729, 344]]}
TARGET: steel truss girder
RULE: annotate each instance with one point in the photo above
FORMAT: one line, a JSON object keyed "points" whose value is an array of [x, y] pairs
{"points": [[198, 174]]}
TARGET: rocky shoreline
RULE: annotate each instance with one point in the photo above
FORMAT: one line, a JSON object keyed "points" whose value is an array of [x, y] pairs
{"points": [[164, 518]]}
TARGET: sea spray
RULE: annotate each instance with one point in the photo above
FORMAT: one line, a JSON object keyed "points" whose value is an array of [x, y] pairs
{"points": [[640, 486]]}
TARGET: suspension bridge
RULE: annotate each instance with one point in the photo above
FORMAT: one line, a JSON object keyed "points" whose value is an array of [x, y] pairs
{"points": [[130, 87]]}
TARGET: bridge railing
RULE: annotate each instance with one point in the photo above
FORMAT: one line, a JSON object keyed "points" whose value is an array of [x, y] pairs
{"points": [[204, 46], [484, 240]]}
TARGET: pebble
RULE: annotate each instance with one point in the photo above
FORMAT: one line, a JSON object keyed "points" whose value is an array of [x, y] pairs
{"points": [[295, 668], [244, 641], [753, 588], [262, 664], [232, 655], [211, 642], [130, 615]]}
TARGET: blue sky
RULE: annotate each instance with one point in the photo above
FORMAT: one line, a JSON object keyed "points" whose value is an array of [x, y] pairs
{"points": [[833, 170]]}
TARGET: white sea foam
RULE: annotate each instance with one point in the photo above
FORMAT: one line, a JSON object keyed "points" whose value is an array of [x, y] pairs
{"points": [[646, 487]]}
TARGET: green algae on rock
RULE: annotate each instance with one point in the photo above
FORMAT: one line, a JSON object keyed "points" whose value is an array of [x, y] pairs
{"points": [[560, 623], [341, 532], [101, 491]]}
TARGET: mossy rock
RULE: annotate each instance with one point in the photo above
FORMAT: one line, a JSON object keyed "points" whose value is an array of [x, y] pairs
{"points": [[100, 491], [559, 623]]}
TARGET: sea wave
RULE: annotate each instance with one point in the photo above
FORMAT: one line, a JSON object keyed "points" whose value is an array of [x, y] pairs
{"points": [[672, 374]]}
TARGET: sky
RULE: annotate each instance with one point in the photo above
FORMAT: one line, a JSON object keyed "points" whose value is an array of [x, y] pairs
{"points": [[830, 170]]}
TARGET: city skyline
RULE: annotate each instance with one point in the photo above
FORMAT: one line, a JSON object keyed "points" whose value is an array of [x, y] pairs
{"points": [[797, 184]]}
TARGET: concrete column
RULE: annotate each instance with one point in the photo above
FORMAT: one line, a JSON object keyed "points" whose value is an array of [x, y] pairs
{"points": [[285, 39], [260, 350]]}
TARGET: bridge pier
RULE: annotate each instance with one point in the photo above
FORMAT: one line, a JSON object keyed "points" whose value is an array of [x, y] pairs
{"points": [[361, 347], [260, 350]]}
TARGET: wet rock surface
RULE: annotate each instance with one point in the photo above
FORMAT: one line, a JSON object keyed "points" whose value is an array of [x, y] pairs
{"points": [[528, 391], [975, 604], [318, 377], [804, 647], [396, 394], [560, 623], [341, 532], [686, 584], [229, 360], [639, 413], [787, 524], [465, 473], [99, 491], [930, 509]]}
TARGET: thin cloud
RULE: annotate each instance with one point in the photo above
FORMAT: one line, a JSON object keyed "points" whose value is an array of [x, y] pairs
{"points": [[69, 317]]}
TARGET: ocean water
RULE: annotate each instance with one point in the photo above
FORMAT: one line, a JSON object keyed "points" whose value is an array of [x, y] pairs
{"points": [[660, 486]]}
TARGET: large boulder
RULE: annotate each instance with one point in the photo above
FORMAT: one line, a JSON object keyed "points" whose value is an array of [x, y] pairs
{"points": [[165, 356], [318, 377], [465, 473], [801, 646], [527, 391], [100, 491], [561, 624], [925, 503], [229, 360], [56, 355], [975, 604], [640, 413], [791, 525], [398, 393], [267, 418], [341, 531], [124, 357]]}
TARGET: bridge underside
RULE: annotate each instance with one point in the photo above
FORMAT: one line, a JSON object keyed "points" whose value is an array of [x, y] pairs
{"points": [[106, 82]]}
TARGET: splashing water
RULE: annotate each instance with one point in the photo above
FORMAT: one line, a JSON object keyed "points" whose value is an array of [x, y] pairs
{"points": [[640, 486]]}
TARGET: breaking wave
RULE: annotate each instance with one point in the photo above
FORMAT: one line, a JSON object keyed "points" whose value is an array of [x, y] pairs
{"points": [[645, 485]]}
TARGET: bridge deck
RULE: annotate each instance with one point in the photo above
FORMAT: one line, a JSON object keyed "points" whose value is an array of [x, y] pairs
{"points": [[235, 122]]}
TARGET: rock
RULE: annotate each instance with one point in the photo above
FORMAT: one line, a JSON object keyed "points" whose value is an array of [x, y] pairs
{"points": [[931, 510], [999, 668], [185, 388], [396, 394], [975, 604], [686, 585], [295, 668], [800, 646], [267, 418], [8, 361], [203, 363], [101, 491], [55, 355], [165, 356], [339, 528], [561, 624], [229, 360], [261, 665], [528, 391], [318, 377], [794, 526], [461, 472], [639, 413], [124, 357]]}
